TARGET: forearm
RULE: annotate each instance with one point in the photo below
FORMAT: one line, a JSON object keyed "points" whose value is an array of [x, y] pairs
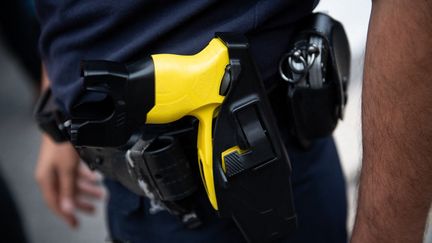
{"points": [[396, 181]]}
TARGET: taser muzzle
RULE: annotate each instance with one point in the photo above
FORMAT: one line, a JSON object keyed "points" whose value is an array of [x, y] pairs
{"points": [[124, 94], [244, 165]]}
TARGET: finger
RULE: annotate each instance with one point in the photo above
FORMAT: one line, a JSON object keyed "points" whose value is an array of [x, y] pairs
{"points": [[85, 206], [89, 189], [68, 213], [48, 185], [86, 173], [67, 179]]}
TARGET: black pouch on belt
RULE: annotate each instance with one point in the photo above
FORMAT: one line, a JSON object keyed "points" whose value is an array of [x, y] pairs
{"points": [[316, 70]]}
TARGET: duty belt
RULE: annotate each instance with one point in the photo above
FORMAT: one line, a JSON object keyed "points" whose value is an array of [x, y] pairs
{"points": [[140, 132]]}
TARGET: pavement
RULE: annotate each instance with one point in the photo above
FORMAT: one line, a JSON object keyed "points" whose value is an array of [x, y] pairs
{"points": [[20, 138]]}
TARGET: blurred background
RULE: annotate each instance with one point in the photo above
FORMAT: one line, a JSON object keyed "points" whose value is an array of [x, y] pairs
{"points": [[19, 143]]}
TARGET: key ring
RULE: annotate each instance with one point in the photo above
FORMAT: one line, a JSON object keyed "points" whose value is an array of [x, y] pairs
{"points": [[297, 62]]}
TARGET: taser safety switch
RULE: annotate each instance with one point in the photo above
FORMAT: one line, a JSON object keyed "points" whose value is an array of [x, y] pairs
{"points": [[244, 165]]}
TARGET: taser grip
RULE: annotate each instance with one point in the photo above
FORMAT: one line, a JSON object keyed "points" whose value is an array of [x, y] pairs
{"points": [[190, 85], [205, 149]]}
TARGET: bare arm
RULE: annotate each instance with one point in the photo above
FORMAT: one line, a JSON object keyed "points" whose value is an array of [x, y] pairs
{"points": [[396, 180]]}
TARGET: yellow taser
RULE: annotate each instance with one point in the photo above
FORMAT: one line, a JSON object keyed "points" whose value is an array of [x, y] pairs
{"points": [[244, 164]]}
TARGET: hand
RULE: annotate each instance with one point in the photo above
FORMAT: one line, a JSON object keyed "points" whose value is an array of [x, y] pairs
{"points": [[66, 183]]}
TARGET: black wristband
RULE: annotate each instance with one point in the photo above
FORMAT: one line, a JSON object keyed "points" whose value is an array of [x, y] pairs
{"points": [[48, 118]]}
